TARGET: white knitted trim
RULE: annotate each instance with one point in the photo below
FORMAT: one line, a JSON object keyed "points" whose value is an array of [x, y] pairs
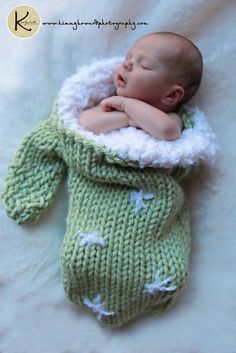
{"points": [[159, 285], [94, 82], [90, 238], [98, 307]]}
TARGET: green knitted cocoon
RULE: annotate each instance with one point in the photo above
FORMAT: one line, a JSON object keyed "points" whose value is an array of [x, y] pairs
{"points": [[126, 248]]}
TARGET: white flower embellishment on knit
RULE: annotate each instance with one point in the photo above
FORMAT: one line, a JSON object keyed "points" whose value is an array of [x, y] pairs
{"points": [[97, 307], [90, 238], [138, 197], [159, 285]]}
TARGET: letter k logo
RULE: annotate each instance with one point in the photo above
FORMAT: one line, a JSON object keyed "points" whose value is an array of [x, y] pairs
{"points": [[18, 22], [23, 21]]}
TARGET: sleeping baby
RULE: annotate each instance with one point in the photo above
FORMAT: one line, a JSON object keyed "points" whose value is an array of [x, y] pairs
{"points": [[160, 72], [120, 132]]}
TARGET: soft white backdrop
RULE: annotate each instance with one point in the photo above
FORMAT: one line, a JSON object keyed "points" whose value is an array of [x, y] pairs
{"points": [[35, 315]]}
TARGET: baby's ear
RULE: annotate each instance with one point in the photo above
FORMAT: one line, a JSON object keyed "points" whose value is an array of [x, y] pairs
{"points": [[174, 95]]}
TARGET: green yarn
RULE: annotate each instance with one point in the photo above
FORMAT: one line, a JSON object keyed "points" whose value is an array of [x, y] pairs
{"points": [[126, 248], [186, 117]]}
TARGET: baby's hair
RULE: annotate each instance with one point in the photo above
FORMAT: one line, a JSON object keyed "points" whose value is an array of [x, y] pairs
{"points": [[186, 65]]}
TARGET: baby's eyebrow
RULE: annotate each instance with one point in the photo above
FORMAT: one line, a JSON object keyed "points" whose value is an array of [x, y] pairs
{"points": [[141, 57]]}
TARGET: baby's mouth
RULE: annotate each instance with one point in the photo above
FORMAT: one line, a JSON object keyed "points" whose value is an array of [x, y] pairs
{"points": [[121, 80]]}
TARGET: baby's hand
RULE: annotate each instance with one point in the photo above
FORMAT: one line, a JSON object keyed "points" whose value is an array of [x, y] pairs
{"points": [[113, 103]]}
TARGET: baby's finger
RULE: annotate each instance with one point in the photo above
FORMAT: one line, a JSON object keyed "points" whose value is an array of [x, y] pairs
{"points": [[106, 106]]}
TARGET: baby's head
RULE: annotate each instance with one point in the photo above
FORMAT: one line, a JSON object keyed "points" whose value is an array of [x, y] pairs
{"points": [[163, 69]]}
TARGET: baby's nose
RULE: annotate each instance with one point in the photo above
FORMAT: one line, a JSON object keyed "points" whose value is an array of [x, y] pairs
{"points": [[128, 64]]}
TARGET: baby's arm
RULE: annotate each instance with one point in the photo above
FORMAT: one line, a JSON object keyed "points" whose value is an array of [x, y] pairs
{"points": [[165, 126], [97, 120]]}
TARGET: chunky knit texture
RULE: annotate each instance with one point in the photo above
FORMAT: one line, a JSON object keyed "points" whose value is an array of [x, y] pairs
{"points": [[126, 248]]}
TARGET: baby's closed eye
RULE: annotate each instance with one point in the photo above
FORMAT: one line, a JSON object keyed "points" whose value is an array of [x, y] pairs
{"points": [[145, 67]]}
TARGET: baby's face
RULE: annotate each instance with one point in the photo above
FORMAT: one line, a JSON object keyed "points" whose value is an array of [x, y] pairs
{"points": [[143, 74]]}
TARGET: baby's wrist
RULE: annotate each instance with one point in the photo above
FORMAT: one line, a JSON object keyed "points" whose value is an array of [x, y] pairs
{"points": [[126, 103]]}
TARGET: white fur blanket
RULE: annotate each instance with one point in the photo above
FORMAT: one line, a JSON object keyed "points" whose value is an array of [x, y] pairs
{"points": [[35, 316]]}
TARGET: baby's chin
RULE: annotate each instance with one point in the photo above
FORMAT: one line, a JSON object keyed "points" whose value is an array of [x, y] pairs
{"points": [[126, 91], [121, 91]]}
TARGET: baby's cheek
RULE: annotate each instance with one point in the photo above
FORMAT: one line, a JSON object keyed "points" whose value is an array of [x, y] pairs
{"points": [[140, 88]]}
